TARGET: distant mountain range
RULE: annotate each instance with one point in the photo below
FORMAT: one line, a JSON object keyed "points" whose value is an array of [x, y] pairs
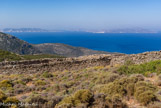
{"points": [[127, 30], [24, 30], [13, 44]]}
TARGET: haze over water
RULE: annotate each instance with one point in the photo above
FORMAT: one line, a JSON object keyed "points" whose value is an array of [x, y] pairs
{"points": [[123, 43]]}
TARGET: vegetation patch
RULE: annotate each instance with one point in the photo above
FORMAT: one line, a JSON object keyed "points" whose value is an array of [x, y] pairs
{"points": [[145, 92], [6, 84], [40, 83], [92, 87], [80, 97], [123, 87], [8, 56], [146, 68]]}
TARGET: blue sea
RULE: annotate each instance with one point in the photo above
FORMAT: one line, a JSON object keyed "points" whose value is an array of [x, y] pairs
{"points": [[123, 43]]}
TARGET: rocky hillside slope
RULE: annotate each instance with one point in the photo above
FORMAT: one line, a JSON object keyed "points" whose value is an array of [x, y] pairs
{"points": [[97, 81], [66, 50], [13, 44]]}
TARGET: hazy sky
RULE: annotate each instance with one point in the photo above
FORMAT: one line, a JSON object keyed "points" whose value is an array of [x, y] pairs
{"points": [[80, 14]]}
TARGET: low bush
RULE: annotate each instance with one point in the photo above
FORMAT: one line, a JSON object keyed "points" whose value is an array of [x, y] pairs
{"points": [[123, 86], [132, 86], [115, 102], [80, 97], [40, 83], [26, 79], [3, 97], [6, 84], [106, 77], [37, 100], [8, 101], [146, 68], [47, 75], [145, 93], [11, 100]]}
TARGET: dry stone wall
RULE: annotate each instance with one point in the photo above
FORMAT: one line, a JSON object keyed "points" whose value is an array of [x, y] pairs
{"points": [[136, 58], [33, 66], [60, 64]]}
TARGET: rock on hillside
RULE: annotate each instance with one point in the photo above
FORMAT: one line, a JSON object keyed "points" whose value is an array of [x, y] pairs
{"points": [[13, 44]]}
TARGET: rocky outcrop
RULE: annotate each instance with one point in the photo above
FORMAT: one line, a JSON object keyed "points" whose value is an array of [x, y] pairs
{"points": [[60, 64]]}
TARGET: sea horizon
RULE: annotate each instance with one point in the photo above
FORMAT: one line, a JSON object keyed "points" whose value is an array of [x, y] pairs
{"points": [[128, 43]]}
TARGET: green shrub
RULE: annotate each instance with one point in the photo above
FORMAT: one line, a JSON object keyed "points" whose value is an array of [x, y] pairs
{"points": [[128, 62], [80, 97], [40, 83], [2, 96], [106, 78], [145, 92], [36, 98], [47, 75], [130, 89], [113, 88], [123, 86], [26, 79], [6, 84], [20, 82], [11, 100], [146, 97], [5, 55], [115, 102], [146, 68], [131, 86], [83, 96]]}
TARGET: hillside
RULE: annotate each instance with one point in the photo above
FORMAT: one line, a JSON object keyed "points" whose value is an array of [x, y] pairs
{"points": [[66, 50], [97, 81], [13, 44]]}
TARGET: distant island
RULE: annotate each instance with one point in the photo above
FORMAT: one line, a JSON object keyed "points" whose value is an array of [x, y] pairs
{"points": [[24, 30], [126, 30]]}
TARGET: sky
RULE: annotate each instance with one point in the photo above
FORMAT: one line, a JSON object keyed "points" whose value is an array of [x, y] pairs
{"points": [[80, 14]]}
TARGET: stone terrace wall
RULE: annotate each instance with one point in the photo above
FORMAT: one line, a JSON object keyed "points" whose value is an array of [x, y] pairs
{"points": [[43, 65], [33, 66], [136, 58]]}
